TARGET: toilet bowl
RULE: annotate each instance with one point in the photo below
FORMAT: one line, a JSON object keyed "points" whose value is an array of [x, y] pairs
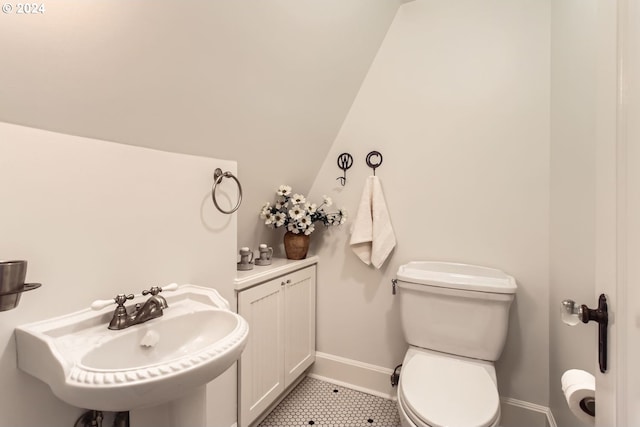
{"points": [[439, 390], [454, 318]]}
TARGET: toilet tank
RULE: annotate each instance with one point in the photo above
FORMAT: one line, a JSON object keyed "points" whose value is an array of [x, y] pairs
{"points": [[455, 308]]}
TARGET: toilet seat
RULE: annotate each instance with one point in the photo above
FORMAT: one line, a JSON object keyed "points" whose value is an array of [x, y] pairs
{"points": [[445, 391]]}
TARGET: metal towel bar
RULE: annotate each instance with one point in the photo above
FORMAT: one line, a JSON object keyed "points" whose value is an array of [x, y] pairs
{"points": [[218, 175]]}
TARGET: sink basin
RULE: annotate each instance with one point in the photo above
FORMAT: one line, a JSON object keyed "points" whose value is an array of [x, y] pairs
{"points": [[89, 366], [181, 337]]}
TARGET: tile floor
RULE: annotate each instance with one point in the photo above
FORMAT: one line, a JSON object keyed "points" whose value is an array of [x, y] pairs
{"points": [[321, 404]]}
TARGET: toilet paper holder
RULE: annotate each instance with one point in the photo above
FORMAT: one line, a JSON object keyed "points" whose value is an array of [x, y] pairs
{"points": [[572, 314], [588, 406]]}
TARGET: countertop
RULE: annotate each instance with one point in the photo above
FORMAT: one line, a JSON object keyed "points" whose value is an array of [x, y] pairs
{"points": [[278, 267]]}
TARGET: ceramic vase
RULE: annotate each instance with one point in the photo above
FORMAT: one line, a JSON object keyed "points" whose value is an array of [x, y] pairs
{"points": [[296, 245]]}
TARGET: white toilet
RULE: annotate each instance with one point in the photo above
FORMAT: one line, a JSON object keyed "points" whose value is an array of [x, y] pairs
{"points": [[455, 319]]}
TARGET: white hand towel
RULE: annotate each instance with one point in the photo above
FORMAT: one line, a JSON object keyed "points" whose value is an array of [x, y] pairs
{"points": [[372, 237]]}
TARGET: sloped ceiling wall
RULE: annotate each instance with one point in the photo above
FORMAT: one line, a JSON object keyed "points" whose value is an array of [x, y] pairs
{"points": [[264, 82], [457, 102]]}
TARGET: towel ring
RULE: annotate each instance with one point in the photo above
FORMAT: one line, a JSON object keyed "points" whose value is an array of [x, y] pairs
{"points": [[217, 179]]}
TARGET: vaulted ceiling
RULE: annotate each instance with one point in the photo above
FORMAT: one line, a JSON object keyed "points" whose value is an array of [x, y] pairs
{"points": [[264, 82]]}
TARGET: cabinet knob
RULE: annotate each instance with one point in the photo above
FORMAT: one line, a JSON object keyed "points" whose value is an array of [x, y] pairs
{"points": [[286, 283]]}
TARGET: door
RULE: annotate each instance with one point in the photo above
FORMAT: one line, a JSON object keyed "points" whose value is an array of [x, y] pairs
{"points": [[300, 322], [618, 207], [631, 127], [260, 366]]}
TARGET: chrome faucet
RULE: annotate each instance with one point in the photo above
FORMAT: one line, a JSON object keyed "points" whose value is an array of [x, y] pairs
{"points": [[124, 317], [154, 291]]}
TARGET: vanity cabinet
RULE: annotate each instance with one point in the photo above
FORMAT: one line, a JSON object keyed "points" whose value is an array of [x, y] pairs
{"points": [[281, 313]]}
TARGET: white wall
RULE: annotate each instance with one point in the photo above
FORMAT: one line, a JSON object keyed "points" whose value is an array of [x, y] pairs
{"points": [[94, 219], [264, 82], [457, 101], [573, 174]]}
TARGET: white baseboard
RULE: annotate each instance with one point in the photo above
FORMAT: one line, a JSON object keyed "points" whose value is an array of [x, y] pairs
{"points": [[376, 380], [353, 374], [516, 413]]}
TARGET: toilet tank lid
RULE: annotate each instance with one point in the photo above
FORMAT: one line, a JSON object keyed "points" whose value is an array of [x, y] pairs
{"points": [[457, 276]]}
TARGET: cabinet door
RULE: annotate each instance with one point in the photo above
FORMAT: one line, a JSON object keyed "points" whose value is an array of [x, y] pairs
{"points": [[300, 322], [261, 364]]}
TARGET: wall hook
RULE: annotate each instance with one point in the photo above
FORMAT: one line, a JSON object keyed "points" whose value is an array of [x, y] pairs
{"points": [[345, 161], [371, 164]]}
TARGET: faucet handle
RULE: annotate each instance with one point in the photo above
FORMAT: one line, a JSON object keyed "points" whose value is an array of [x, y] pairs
{"points": [[155, 290], [120, 299], [170, 287]]}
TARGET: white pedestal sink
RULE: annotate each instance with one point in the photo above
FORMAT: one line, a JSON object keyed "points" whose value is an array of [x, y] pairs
{"points": [[89, 366]]}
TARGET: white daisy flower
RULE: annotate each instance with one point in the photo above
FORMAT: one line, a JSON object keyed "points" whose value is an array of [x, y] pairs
{"points": [[310, 207], [297, 199], [266, 208], [310, 229], [327, 200], [297, 212], [278, 219], [305, 222], [283, 190], [292, 228], [281, 203], [268, 218]]}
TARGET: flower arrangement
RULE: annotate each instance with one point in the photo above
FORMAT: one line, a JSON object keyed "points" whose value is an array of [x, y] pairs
{"points": [[298, 214]]}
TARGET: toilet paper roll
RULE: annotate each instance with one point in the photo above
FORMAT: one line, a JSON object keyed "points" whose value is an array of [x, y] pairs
{"points": [[578, 385]]}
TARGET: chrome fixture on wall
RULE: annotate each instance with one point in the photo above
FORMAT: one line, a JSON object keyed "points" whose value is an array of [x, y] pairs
{"points": [[12, 276], [218, 175], [572, 314]]}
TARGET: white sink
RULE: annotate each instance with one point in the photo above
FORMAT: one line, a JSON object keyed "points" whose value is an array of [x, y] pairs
{"points": [[92, 367]]}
